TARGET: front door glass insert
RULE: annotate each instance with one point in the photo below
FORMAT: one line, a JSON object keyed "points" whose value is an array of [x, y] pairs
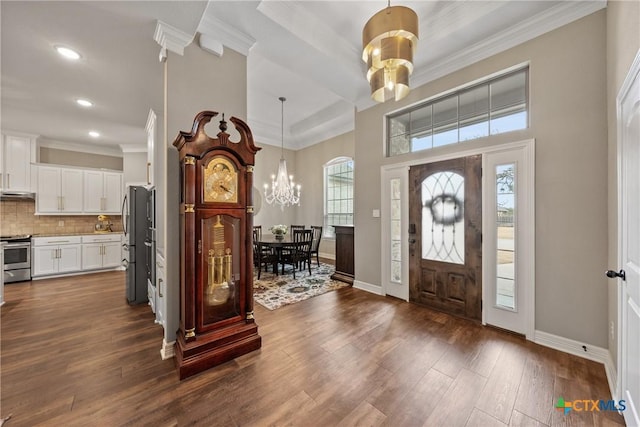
{"points": [[443, 217]]}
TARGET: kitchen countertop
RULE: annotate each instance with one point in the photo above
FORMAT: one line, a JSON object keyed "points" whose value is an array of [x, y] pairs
{"points": [[74, 234]]}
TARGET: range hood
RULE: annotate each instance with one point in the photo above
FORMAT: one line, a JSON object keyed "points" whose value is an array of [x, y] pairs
{"points": [[17, 195]]}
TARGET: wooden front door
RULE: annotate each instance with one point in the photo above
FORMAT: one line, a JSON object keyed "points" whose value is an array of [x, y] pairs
{"points": [[445, 236]]}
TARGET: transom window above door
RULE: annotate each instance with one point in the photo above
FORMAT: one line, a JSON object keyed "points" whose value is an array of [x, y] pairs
{"points": [[494, 106]]}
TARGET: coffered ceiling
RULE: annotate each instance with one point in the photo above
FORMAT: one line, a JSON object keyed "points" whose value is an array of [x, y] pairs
{"points": [[307, 51]]}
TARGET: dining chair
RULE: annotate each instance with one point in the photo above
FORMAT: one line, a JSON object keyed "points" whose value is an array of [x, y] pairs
{"points": [[315, 244], [262, 256], [296, 227], [300, 251]]}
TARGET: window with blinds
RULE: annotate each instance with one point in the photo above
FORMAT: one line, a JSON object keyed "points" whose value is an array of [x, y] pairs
{"points": [[495, 106]]}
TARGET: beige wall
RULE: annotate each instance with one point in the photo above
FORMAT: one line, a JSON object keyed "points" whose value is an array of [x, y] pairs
{"points": [[197, 81], [568, 122], [76, 158], [623, 43], [311, 161]]}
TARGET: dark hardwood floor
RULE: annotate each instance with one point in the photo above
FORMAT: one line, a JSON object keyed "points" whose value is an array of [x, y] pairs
{"points": [[75, 354]]}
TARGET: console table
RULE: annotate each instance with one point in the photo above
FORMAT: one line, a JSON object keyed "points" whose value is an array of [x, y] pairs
{"points": [[344, 254]]}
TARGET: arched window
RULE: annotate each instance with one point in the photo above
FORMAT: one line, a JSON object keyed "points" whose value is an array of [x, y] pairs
{"points": [[338, 194]]}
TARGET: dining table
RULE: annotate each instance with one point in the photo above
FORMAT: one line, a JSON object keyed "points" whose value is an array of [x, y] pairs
{"points": [[270, 241]]}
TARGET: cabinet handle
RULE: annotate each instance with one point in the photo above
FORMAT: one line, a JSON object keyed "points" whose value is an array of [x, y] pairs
{"points": [[9, 181], [160, 287], [57, 241], [62, 200]]}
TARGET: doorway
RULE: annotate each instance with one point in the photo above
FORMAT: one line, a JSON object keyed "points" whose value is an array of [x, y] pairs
{"points": [[445, 236], [628, 117], [397, 188]]}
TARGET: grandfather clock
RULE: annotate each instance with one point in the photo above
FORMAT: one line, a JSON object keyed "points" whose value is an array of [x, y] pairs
{"points": [[216, 269]]}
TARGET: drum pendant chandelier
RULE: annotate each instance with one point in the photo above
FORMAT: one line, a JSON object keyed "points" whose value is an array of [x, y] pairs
{"points": [[389, 41]]}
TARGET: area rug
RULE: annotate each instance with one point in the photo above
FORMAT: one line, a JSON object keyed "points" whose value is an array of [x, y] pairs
{"points": [[273, 291]]}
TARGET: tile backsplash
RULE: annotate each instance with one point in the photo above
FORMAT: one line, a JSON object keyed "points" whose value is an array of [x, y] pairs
{"points": [[17, 217]]}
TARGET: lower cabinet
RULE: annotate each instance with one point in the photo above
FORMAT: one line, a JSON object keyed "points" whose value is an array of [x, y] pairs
{"points": [[101, 251], [73, 254], [55, 255], [161, 288]]}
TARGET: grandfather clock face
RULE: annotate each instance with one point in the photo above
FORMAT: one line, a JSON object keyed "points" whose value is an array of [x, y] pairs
{"points": [[220, 181]]}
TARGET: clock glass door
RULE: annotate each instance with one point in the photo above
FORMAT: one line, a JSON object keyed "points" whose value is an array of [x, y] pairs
{"points": [[220, 269]]}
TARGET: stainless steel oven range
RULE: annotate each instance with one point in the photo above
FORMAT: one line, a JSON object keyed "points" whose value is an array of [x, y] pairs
{"points": [[17, 258]]}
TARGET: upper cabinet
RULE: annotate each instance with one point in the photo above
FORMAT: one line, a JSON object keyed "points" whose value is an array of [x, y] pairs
{"points": [[59, 190], [77, 191], [102, 192], [17, 152], [151, 137]]}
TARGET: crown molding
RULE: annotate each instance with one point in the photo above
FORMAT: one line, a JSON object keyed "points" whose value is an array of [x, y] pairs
{"points": [[133, 148], [171, 38], [337, 119], [228, 35], [549, 20]]}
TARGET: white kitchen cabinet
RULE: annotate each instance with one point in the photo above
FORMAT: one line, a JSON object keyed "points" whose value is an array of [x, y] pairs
{"points": [[17, 152], [55, 255], [102, 192], [161, 288], [59, 190], [151, 137], [101, 251]]}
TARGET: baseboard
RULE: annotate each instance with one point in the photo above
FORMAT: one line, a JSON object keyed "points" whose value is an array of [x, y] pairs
{"points": [[76, 273], [612, 377], [374, 289], [327, 256], [597, 354], [168, 350]]}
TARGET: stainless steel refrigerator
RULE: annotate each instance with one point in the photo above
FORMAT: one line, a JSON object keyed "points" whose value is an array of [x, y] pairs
{"points": [[137, 209]]}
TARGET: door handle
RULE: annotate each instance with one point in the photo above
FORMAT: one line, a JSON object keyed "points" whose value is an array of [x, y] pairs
{"points": [[160, 287], [412, 241], [611, 274]]}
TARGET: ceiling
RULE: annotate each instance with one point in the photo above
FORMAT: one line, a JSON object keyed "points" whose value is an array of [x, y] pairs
{"points": [[306, 51]]}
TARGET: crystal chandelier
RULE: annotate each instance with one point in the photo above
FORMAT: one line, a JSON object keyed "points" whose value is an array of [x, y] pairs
{"points": [[282, 186], [389, 40]]}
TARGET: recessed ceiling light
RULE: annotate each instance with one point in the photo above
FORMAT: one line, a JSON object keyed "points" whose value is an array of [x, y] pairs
{"points": [[67, 52], [84, 102], [94, 134]]}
